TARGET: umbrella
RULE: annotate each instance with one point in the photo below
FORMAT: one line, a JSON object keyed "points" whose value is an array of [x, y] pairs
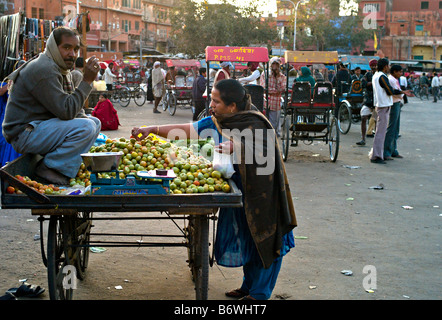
{"points": [[103, 65]]}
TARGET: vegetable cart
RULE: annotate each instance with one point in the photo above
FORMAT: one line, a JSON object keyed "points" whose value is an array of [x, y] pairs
{"points": [[70, 217]]}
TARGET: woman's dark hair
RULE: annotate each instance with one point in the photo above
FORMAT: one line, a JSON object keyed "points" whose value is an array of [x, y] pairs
{"points": [[104, 95], [395, 67], [382, 63], [231, 91], [59, 32]]}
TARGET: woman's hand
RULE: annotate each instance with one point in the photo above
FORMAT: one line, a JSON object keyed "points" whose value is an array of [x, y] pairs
{"points": [[225, 147], [143, 132]]}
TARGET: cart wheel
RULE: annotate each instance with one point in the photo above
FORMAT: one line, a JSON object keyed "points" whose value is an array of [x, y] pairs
{"points": [[82, 237], [285, 137], [139, 97], [124, 97], [344, 117], [165, 101], [56, 260], [172, 104], [333, 139], [198, 254]]}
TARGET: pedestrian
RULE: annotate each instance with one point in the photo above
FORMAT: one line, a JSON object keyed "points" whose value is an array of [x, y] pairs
{"points": [[435, 86], [109, 77], [392, 134], [157, 85], [171, 75], [223, 73], [306, 76], [367, 103], [44, 113], [255, 74], [404, 85], [318, 75], [383, 100], [198, 88], [149, 89], [357, 74], [259, 234], [105, 111], [276, 87], [342, 80]]}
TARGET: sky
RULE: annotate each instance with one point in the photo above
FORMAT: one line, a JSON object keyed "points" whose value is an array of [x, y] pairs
{"points": [[268, 6]]}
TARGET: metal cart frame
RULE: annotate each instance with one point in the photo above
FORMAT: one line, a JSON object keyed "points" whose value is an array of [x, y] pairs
{"points": [[70, 221]]}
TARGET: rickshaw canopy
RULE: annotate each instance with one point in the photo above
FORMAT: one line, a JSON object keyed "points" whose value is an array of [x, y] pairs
{"points": [[357, 61], [237, 54], [303, 58], [182, 63]]}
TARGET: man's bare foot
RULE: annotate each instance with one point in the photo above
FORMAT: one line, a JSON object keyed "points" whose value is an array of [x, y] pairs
{"points": [[51, 175]]}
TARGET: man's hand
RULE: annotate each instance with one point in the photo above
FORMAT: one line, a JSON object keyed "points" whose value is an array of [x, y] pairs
{"points": [[408, 93], [141, 133], [91, 69]]}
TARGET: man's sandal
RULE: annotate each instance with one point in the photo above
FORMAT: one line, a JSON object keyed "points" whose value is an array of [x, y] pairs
{"points": [[236, 293]]}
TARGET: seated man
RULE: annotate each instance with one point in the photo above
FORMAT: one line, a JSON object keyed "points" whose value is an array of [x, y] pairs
{"points": [[45, 115]]}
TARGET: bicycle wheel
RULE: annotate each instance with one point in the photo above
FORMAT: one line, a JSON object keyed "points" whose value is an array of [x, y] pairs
{"points": [[139, 96], [344, 117], [172, 104], [333, 139], [203, 114], [125, 95], [113, 96], [285, 137]]}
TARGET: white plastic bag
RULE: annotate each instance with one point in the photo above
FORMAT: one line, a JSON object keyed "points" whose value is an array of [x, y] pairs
{"points": [[222, 162]]}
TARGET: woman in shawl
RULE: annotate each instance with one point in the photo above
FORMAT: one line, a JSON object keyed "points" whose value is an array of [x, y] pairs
{"points": [[105, 111], [259, 234], [157, 85], [306, 76]]}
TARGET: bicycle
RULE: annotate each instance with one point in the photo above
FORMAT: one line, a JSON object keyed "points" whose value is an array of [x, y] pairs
{"points": [[120, 94]]}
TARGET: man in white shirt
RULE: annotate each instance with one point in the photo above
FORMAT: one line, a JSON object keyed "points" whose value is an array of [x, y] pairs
{"points": [[404, 84], [255, 74], [382, 100], [435, 86], [109, 77]]}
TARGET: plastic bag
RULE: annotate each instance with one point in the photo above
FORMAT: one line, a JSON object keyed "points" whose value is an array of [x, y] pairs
{"points": [[222, 162]]}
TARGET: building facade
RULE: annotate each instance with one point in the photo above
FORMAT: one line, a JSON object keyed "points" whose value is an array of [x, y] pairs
{"points": [[407, 29], [115, 25]]}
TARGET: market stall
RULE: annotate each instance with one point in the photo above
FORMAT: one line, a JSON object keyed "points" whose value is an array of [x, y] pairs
{"points": [[115, 187]]}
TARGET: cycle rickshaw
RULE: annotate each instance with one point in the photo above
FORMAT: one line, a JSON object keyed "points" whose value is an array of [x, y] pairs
{"points": [[238, 55], [180, 93], [350, 102], [309, 113]]}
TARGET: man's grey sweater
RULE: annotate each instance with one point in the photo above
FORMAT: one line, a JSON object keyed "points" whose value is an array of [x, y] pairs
{"points": [[38, 94]]}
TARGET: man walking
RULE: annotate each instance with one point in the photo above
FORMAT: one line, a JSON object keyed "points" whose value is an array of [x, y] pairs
{"points": [[198, 88], [367, 104], [109, 76], [276, 86], [435, 86]]}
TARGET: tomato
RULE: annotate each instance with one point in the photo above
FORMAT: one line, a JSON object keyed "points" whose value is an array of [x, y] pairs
{"points": [[10, 189]]}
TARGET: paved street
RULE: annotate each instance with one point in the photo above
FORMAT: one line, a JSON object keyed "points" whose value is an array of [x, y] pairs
{"points": [[342, 225]]}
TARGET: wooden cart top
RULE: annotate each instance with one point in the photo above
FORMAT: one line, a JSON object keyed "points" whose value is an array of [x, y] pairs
{"points": [[31, 199]]}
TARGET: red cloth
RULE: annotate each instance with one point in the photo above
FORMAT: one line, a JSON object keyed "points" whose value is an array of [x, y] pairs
{"points": [[107, 114]]}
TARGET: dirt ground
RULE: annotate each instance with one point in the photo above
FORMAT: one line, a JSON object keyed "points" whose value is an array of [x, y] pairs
{"points": [[342, 225]]}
